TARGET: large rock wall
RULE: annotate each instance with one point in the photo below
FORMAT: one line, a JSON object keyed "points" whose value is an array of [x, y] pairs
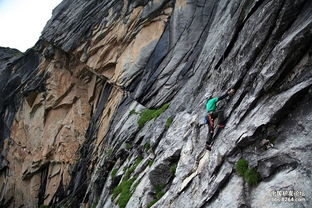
{"points": [[70, 106]]}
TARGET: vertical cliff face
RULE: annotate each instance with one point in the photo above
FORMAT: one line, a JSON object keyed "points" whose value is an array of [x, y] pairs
{"points": [[75, 126]]}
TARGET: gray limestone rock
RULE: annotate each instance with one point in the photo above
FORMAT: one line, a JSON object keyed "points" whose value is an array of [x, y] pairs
{"points": [[261, 48]]}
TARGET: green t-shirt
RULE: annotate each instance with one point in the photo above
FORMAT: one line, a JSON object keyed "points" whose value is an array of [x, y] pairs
{"points": [[211, 104]]}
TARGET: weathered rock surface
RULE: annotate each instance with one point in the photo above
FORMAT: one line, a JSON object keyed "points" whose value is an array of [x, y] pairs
{"points": [[70, 106]]}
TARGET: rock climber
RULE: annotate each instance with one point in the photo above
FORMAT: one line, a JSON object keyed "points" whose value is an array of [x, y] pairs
{"points": [[213, 113]]}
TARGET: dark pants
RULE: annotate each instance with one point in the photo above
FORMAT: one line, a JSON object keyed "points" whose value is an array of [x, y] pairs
{"points": [[218, 114], [215, 114]]}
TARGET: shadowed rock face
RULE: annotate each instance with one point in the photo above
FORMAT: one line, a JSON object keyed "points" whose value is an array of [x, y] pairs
{"points": [[70, 106]]}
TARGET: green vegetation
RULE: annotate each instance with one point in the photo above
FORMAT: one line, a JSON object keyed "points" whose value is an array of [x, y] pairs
{"points": [[150, 114], [124, 188], [150, 162], [158, 194], [147, 146], [173, 168], [241, 166], [128, 146], [152, 203], [109, 152], [44, 206], [133, 167], [138, 160], [133, 112], [250, 175], [159, 190], [168, 122], [114, 171]]}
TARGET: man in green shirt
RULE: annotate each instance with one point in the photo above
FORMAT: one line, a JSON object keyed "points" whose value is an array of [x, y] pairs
{"points": [[213, 113]]}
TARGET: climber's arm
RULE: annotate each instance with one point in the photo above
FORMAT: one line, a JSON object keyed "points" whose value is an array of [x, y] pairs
{"points": [[223, 96], [230, 92]]}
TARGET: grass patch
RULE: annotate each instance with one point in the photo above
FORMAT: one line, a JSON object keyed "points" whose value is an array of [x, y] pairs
{"points": [[138, 160], [44, 206], [114, 171], [252, 177], [150, 162], [133, 167], [149, 114], [124, 188], [133, 112], [109, 152], [128, 172], [158, 194], [168, 122], [128, 146], [173, 168], [159, 190], [152, 203], [147, 146], [241, 166], [124, 192]]}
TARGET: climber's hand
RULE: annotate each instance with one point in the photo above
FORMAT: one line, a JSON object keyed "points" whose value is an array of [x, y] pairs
{"points": [[231, 91]]}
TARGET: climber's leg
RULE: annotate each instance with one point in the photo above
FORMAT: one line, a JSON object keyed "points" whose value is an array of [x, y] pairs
{"points": [[220, 115]]}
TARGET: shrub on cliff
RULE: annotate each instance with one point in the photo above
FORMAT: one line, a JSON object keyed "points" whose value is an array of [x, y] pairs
{"points": [[150, 114], [123, 190], [159, 192], [250, 175], [241, 166]]}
